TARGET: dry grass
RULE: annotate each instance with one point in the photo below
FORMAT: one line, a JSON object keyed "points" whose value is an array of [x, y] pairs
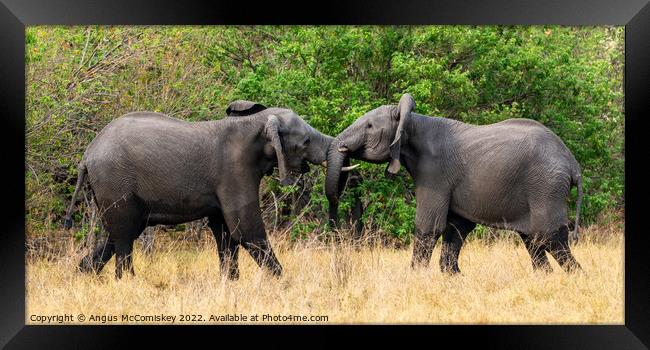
{"points": [[348, 284]]}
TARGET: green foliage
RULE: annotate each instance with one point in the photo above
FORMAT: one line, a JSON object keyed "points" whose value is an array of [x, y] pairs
{"points": [[390, 204], [85, 230], [568, 78]]}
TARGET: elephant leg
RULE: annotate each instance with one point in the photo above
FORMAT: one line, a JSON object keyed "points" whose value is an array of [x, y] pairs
{"points": [[227, 247], [124, 218], [356, 212], [247, 227], [124, 256], [262, 253], [536, 249], [452, 241], [430, 222], [423, 244], [356, 221], [124, 227], [560, 250], [96, 261]]}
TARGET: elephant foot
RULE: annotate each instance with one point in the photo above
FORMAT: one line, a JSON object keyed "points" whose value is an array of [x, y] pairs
{"points": [[419, 264], [572, 267], [449, 260], [231, 275], [450, 269], [271, 264], [275, 270], [560, 250], [543, 267], [90, 265], [263, 255], [421, 257], [423, 245], [86, 265], [123, 267], [95, 262], [119, 274]]}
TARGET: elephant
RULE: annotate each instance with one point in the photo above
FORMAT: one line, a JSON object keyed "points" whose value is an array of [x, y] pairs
{"points": [[515, 174], [147, 168]]}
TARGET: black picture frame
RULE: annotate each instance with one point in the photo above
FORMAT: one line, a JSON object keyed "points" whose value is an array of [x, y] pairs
{"points": [[16, 14]]}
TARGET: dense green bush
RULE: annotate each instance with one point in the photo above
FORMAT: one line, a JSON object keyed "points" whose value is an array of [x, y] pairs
{"points": [[568, 78]]}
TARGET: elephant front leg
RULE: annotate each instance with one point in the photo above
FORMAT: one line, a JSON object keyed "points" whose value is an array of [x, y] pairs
{"points": [[228, 251], [452, 241], [262, 253], [246, 226], [430, 222], [227, 247], [423, 244]]}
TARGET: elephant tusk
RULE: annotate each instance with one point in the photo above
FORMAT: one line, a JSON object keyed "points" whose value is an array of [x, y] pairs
{"points": [[324, 164], [350, 168]]}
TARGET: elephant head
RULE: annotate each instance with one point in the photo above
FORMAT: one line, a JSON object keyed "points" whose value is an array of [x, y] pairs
{"points": [[376, 137], [293, 140], [295, 143]]}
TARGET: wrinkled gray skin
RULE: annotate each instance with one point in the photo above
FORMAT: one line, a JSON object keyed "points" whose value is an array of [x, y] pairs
{"points": [[515, 174], [147, 168]]}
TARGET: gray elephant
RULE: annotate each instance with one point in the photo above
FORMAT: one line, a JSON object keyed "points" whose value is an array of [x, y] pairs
{"points": [[147, 168], [515, 174]]}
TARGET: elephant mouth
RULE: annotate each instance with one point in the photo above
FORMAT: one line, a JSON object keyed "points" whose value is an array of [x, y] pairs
{"points": [[294, 174], [288, 181], [292, 177], [304, 167]]}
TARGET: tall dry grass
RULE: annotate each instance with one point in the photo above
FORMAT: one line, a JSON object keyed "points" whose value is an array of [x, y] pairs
{"points": [[346, 283]]}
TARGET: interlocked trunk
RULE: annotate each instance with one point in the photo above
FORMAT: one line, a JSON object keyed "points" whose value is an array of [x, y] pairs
{"points": [[335, 180]]}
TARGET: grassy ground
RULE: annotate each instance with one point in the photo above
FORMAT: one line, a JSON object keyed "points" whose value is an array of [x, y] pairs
{"points": [[346, 284]]}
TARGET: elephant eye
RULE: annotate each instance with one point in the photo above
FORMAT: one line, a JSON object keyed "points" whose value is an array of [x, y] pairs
{"points": [[307, 141], [369, 125]]}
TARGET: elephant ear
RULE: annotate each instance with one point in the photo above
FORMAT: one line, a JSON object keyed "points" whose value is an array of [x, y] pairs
{"points": [[402, 113], [243, 108], [272, 131]]}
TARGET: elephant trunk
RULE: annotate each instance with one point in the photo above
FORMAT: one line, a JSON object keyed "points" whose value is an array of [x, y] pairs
{"points": [[319, 146], [335, 179]]}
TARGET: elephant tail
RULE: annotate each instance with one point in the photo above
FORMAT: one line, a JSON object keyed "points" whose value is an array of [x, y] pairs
{"points": [[577, 181], [82, 171]]}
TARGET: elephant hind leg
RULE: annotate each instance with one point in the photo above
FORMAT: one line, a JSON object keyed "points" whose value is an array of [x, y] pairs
{"points": [[548, 230], [124, 220], [123, 238], [560, 250], [452, 241], [124, 256], [95, 261], [537, 248]]}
